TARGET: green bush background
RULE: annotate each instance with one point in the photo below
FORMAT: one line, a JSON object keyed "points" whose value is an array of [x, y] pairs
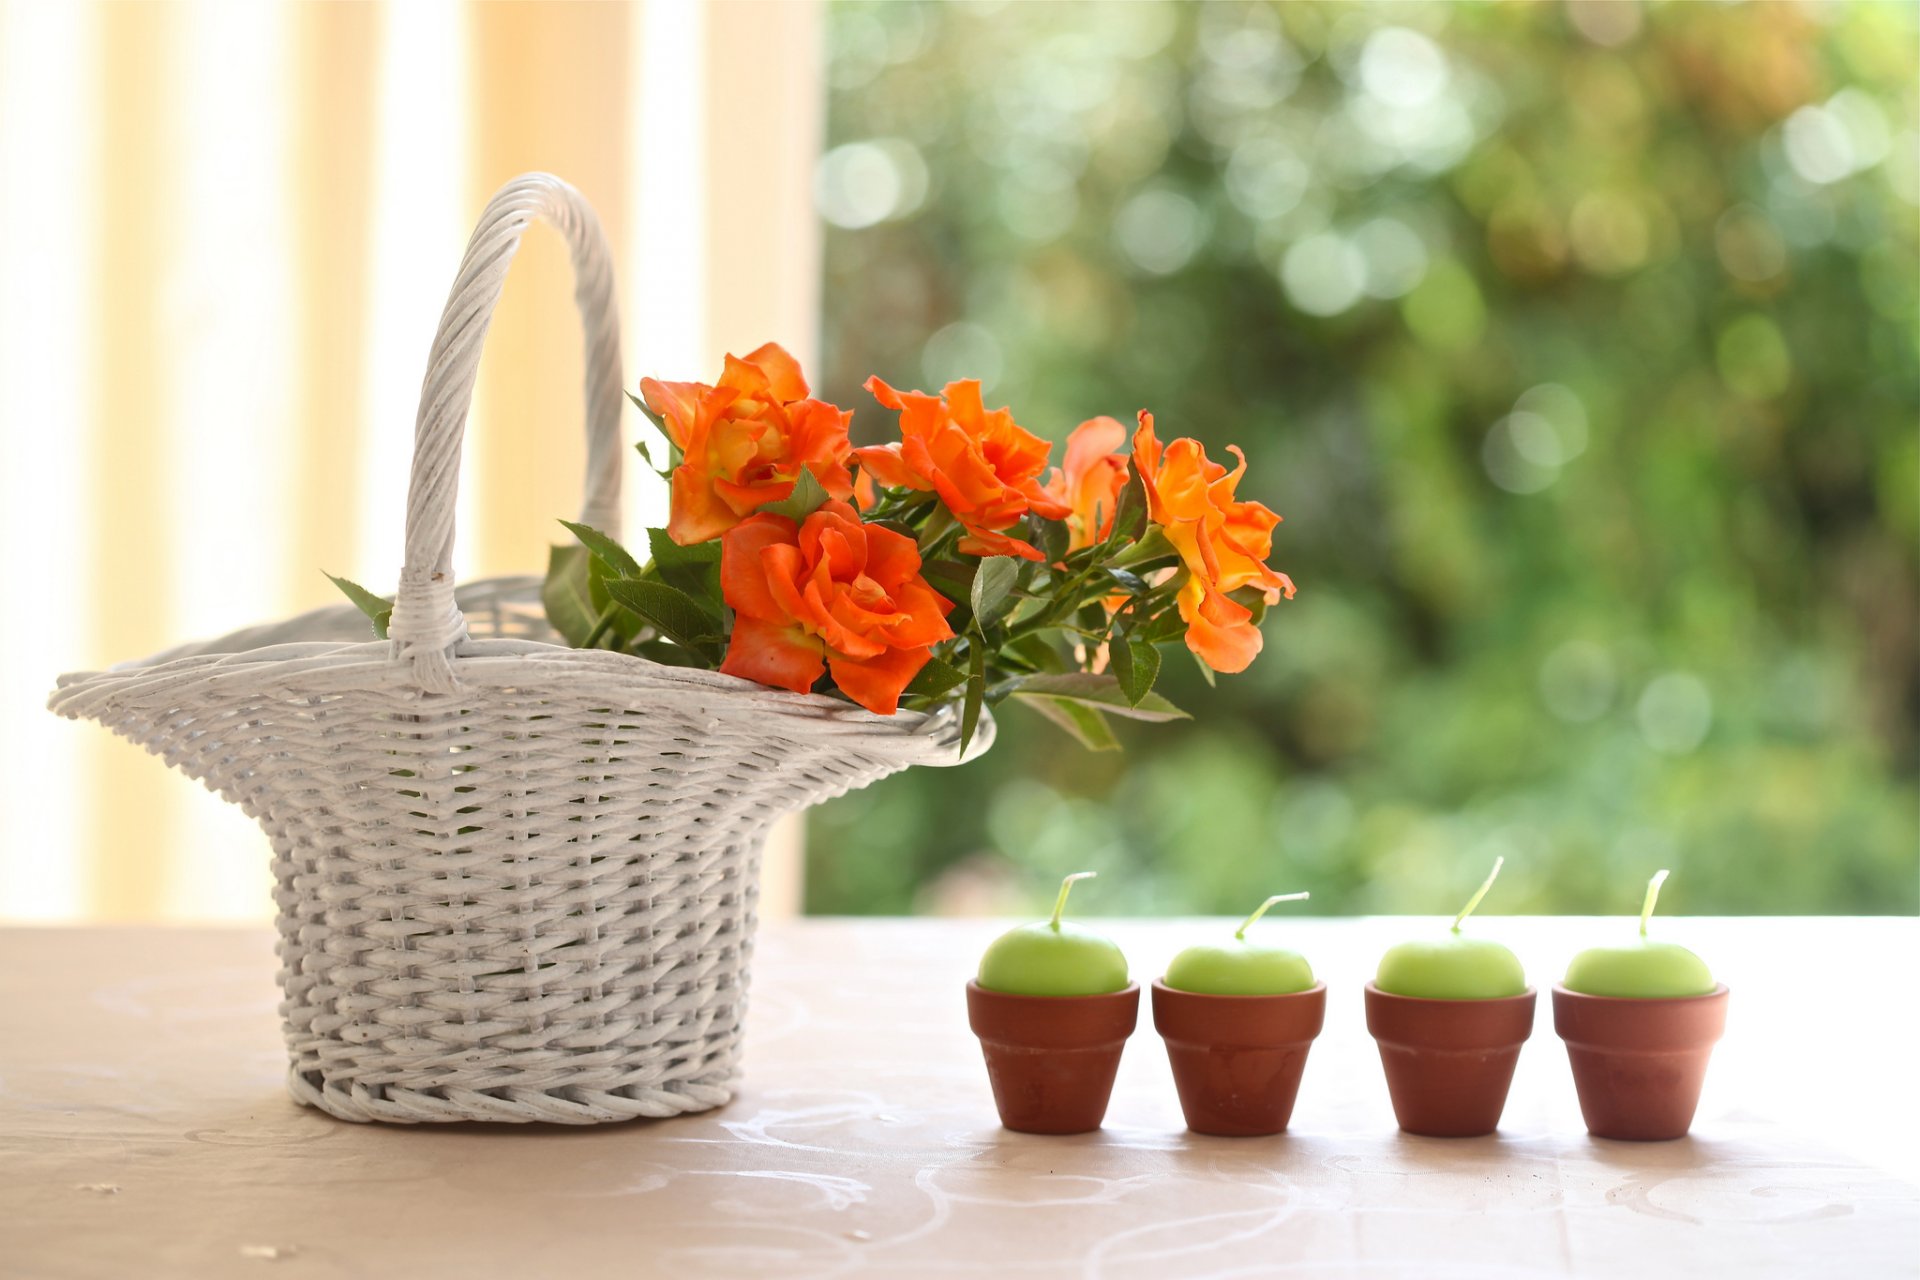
{"points": [[1578, 349]]}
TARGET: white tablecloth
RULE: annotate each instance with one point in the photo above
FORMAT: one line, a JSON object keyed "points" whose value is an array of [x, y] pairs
{"points": [[144, 1132]]}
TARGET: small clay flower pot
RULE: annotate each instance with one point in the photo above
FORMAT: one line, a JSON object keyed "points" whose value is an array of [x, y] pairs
{"points": [[1237, 1059], [1449, 1062], [1051, 1059], [1638, 1064]]}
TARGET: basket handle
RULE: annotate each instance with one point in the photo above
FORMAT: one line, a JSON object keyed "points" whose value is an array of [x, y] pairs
{"points": [[426, 623]]}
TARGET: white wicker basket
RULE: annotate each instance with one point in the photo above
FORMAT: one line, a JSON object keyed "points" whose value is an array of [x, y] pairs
{"points": [[516, 881]]}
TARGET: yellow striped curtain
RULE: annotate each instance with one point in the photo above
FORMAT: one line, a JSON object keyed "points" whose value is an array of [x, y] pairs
{"points": [[226, 231]]}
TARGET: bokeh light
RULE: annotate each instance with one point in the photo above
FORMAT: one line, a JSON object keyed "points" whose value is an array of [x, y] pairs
{"points": [[1324, 274], [1159, 230], [1576, 342], [962, 350], [1675, 712], [862, 183], [1578, 681]]}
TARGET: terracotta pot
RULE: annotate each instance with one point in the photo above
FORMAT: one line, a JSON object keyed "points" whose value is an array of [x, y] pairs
{"points": [[1638, 1064], [1052, 1059], [1237, 1059], [1449, 1062]]}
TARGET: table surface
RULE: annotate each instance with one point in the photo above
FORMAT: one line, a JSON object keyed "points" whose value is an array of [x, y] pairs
{"points": [[144, 1131]]}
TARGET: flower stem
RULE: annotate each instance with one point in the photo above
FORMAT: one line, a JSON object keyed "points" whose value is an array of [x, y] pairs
{"points": [[933, 530], [1153, 543], [601, 627]]}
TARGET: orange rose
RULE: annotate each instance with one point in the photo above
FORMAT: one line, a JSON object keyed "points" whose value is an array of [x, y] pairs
{"points": [[1223, 542], [745, 441], [1091, 483], [985, 467], [829, 594]]}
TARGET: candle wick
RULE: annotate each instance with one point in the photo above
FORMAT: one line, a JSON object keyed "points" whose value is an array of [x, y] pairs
{"points": [[1060, 903], [1653, 893], [1240, 934], [1479, 893]]}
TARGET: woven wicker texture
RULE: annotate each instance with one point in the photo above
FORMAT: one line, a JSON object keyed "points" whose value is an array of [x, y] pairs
{"points": [[516, 881]]}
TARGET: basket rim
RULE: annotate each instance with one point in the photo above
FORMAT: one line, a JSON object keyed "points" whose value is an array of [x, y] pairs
{"points": [[177, 674]]}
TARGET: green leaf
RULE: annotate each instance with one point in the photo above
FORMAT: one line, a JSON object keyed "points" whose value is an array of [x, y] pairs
{"points": [[935, 679], [1151, 549], [640, 446], [378, 609], [1254, 599], [1136, 665], [806, 498], [1088, 727], [976, 690], [567, 594], [1103, 692], [1130, 513], [1036, 652], [1054, 540], [992, 585], [665, 472], [671, 611], [616, 557], [658, 421], [669, 655], [1131, 583], [1206, 672], [614, 627], [1164, 629], [694, 570], [939, 523], [951, 579], [1035, 603]]}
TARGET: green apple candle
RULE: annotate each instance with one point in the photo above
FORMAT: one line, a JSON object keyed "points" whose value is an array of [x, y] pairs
{"points": [[1242, 968], [1053, 958], [1455, 967], [1643, 969]]}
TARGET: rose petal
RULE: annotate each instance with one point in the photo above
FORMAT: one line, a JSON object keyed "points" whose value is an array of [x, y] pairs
{"points": [[1091, 443], [697, 513], [892, 558], [1219, 630], [675, 403], [787, 580], [773, 653], [743, 566], [883, 463], [782, 371], [876, 683], [987, 542]]}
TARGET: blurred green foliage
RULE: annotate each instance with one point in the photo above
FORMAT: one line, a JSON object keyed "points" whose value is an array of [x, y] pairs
{"points": [[1576, 343]]}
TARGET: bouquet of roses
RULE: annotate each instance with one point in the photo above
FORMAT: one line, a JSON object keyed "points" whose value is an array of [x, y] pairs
{"points": [[950, 565]]}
